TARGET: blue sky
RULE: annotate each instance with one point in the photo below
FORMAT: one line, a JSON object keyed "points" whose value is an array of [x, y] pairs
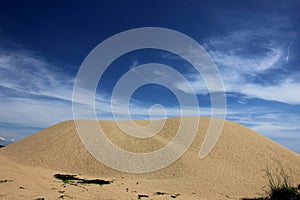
{"points": [[255, 45]]}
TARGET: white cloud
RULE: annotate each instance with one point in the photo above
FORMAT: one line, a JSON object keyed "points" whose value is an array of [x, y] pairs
{"points": [[286, 91], [239, 67], [30, 74], [246, 65], [37, 94], [32, 112], [287, 57], [271, 124]]}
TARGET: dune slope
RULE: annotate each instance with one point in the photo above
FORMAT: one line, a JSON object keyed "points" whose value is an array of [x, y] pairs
{"points": [[233, 169]]}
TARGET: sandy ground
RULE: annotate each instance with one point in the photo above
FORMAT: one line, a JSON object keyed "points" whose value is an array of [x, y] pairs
{"points": [[234, 169]]}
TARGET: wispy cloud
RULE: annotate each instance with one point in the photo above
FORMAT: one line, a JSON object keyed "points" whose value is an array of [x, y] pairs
{"points": [[285, 91], [271, 124], [30, 74], [282, 127], [36, 94], [248, 61]]}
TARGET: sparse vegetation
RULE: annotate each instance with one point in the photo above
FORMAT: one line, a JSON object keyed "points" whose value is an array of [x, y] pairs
{"points": [[164, 193], [160, 193], [72, 179], [280, 187], [174, 196], [65, 196], [65, 178], [142, 195], [5, 181]]}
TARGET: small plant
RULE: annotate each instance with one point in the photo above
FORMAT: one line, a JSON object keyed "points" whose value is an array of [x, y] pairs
{"points": [[63, 197], [73, 180], [5, 181], [160, 193], [279, 186], [66, 178], [142, 195], [174, 196]]}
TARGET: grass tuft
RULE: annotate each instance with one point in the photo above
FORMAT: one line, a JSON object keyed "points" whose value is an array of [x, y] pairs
{"points": [[280, 187]]}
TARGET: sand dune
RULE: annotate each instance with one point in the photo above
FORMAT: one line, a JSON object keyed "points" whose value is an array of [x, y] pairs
{"points": [[233, 169]]}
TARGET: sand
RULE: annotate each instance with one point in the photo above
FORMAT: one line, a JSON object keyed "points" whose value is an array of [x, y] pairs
{"points": [[234, 168]]}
